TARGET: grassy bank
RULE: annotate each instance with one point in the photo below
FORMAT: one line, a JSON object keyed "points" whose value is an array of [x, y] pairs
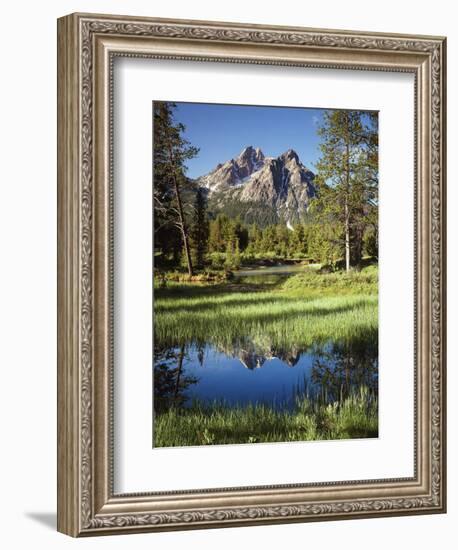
{"points": [[355, 417], [306, 309]]}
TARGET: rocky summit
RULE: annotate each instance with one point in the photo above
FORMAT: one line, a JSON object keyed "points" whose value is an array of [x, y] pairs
{"points": [[260, 189]]}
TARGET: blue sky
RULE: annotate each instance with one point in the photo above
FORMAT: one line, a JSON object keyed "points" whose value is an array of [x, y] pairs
{"points": [[223, 131]]}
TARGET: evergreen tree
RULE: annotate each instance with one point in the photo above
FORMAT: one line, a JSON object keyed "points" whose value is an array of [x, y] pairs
{"points": [[324, 245], [298, 244], [215, 240], [371, 233], [200, 228], [171, 150], [237, 258], [229, 262], [347, 180], [282, 239]]}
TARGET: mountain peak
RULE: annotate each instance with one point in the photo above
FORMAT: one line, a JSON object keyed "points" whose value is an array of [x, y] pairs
{"points": [[290, 154], [264, 189], [251, 153], [246, 150], [249, 161]]}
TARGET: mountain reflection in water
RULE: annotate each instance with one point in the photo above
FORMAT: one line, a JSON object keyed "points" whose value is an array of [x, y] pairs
{"points": [[248, 373]]}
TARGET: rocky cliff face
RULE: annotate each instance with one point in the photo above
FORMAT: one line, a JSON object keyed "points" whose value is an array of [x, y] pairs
{"points": [[234, 172], [282, 185]]}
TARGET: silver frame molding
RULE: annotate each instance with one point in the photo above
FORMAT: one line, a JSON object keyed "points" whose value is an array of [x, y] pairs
{"points": [[87, 45]]}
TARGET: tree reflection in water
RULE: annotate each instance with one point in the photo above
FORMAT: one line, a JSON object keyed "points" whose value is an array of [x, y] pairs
{"points": [[170, 382], [339, 369], [331, 372]]}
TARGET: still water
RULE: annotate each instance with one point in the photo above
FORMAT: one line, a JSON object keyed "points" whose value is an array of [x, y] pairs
{"points": [[249, 373], [267, 275], [244, 376]]}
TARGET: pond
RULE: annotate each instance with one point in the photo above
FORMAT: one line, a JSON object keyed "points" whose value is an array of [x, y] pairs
{"points": [[267, 274], [248, 372]]}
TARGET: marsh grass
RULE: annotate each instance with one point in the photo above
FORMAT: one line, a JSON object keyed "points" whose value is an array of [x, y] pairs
{"points": [[310, 419], [364, 280], [306, 309]]}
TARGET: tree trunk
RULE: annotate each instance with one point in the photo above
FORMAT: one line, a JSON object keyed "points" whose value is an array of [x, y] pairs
{"points": [[184, 232], [347, 194], [179, 369], [182, 222], [347, 236]]}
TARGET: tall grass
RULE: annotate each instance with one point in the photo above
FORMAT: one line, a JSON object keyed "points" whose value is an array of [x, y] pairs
{"points": [[306, 309], [310, 420], [354, 281]]}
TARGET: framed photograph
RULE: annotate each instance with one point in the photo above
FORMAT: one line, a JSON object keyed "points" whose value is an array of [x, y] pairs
{"points": [[251, 290]]}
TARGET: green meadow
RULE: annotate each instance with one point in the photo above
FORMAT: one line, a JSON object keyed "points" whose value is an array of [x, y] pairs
{"points": [[306, 309]]}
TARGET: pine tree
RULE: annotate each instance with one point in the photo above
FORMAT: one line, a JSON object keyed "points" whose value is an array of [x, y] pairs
{"points": [[298, 244], [347, 179], [171, 150], [200, 228], [229, 262], [215, 236], [237, 258]]}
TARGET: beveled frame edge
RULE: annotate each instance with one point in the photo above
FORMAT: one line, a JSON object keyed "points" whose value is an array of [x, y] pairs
{"points": [[86, 42]]}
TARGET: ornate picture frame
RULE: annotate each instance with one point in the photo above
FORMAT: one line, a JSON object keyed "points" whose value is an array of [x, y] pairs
{"points": [[87, 46]]}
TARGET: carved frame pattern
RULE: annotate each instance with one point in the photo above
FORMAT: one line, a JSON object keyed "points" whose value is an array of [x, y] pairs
{"points": [[78, 512]]}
